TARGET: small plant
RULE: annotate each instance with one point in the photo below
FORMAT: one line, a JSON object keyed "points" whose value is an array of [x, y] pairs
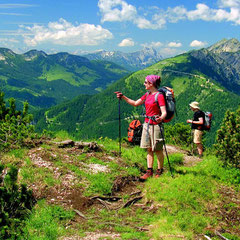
{"points": [[179, 134], [16, 203]]}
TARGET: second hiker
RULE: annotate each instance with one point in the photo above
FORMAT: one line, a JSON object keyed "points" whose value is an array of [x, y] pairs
{"points": [[197, 126], [155, 114]]}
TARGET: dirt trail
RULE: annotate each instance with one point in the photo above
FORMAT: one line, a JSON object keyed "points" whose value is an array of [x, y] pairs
{"points": [[188, 159]]}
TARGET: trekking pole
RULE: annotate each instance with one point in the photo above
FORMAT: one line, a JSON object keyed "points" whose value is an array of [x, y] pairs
{"points": [[119, 125], [160, 125]]}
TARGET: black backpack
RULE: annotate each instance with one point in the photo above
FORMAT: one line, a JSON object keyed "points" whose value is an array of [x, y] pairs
{"points": [[168, 94]]}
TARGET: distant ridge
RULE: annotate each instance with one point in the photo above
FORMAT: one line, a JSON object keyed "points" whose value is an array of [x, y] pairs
{"points": [[131, 61], [45, 80]]}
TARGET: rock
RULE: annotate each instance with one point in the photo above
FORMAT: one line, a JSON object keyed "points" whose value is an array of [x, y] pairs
{"points": [[90, 145], [66, 143]]}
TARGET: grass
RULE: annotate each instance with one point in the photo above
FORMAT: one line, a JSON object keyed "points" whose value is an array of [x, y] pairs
{"points": [[59, 72], [47, 222], [173, 208], [185, 199]]}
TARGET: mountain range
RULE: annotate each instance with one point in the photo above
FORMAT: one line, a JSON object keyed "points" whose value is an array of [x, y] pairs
{"points": [[209, 76], [46, 80], [223, 59], [131, 61]]}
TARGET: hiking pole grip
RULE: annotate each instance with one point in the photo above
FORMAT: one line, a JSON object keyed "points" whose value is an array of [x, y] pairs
{"points": [[119, 125], [160, 125]]}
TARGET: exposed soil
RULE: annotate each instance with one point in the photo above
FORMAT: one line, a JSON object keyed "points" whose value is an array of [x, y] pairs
{"points": [[71, 197]]}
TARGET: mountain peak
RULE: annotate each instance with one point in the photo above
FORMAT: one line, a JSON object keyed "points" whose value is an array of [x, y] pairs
{"points": [[30, 55], [131, 61], [225, 45], [5, 51]]}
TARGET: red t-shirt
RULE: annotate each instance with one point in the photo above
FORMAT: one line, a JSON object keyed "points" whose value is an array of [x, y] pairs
{"points": [[152, 108]]}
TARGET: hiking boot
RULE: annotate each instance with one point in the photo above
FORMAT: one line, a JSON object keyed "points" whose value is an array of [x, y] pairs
{"points": [[159, 172], [148, 174]]}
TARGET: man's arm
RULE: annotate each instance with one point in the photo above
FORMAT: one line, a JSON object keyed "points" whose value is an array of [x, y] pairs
{"points": [[199, 122]]}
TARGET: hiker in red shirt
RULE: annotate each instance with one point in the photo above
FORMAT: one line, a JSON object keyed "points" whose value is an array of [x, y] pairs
{"points": [[155, 114]]}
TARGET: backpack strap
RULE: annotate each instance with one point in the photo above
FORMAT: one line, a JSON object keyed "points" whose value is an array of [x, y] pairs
{"points": [[156, 97]]}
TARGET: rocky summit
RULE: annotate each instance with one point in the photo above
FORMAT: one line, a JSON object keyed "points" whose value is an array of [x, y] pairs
{"points": [[131, 61]]}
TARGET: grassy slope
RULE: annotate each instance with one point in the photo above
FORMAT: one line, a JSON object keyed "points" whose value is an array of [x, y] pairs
{"points": [[189, 205], [41, 80]]}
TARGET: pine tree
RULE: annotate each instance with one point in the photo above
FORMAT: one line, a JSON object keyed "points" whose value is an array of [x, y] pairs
{"points": [[228, 139], [14, 125]]}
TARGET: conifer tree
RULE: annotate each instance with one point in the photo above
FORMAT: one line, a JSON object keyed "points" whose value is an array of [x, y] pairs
{"points": [[228, 139], [14, 125]]}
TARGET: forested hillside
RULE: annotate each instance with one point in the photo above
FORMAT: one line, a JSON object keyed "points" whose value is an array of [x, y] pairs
{"points": [[46, 80], [99, 115]]}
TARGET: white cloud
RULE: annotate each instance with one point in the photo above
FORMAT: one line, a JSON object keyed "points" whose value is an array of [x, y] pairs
{"points": [[127, 42], [120, 10], [229, 3], [152, 44], [197, 43], [8, 40], [116, 10], [14, 14], [175, 14], [65, 33], [168, 52], [13, 5], [174, 44]]}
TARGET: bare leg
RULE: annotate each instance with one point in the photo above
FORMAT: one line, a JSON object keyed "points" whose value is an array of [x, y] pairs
{"points": [[200, 148], [160, 159], [150, 158]]}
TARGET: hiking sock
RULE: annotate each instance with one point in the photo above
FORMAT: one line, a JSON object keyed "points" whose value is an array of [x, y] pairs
{"points": [[151, 169]]}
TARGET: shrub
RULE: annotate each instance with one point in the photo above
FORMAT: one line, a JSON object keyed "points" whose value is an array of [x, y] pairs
{"points": [[228, 139], [14, 125], [179, 134], [15, 203]]}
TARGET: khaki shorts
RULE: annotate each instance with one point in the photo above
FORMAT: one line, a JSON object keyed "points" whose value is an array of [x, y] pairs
{"points": [[197, 136], [153, 139]]}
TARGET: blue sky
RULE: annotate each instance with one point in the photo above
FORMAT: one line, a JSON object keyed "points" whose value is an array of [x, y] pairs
{"points": [[77, 26]]}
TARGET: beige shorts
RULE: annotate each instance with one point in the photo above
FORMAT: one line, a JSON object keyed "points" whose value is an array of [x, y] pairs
{"points": [[153, 139], [197, 136]]}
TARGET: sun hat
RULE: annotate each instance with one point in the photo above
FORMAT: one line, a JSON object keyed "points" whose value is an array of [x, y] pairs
{"points": [[194, 105], [154, 79]]}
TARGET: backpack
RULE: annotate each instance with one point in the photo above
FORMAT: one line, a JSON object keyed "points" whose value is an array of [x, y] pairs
{"points": [[168, 94], [208, 121], [135, 132]]}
